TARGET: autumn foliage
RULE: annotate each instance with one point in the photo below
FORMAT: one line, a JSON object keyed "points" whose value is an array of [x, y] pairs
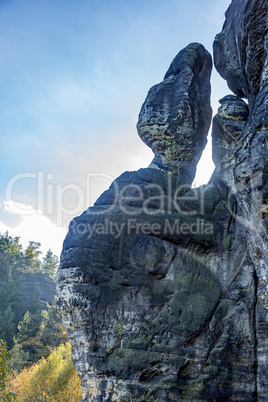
{"points": [[53, 379]]}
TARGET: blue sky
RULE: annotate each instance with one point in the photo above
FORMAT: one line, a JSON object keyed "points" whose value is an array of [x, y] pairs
{"points": [[73, 76]]}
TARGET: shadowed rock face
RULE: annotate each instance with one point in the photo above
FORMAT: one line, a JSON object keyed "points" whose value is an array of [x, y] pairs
{"points": [[163, 289], [228, 125], [240, 51], [241, 148]]}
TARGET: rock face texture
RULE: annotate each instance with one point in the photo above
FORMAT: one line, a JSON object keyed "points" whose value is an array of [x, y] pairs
{"points": [[240, 50], [241, 56], [176, 115], [32, 283], [164, 288]]}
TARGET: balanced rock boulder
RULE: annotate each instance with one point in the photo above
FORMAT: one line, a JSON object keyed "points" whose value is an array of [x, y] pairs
{"points": [[176, 115]]}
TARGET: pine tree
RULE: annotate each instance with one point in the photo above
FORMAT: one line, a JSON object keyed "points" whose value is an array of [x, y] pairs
{"points": [[7, 326], [10, 306], [52, 331], [24, 328], [31, 322], [50, 264], [31, 257], [11, 255], [36, 313]]}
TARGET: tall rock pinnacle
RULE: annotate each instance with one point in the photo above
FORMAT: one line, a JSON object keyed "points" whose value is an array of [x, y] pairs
{"points": [[176, 115], [164, 289]]}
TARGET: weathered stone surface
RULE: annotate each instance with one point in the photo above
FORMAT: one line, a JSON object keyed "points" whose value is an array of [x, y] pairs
{"points": [[164, 289], [228, 125], [45, 286], [240, 51], [32, 285], [176, 115]]}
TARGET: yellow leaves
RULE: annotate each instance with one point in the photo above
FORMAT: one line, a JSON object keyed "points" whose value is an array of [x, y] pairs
{"points": [[53, 379]]}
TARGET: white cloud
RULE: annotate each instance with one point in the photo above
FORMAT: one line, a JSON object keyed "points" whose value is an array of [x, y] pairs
{"points": [[33, 227]]}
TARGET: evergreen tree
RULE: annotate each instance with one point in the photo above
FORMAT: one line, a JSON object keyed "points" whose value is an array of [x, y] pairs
{"points": [[50, 264], [31, 322], [26, 341], [36, 313], [7, 326], [36, 332], [24, 329], [31, 257], [10, 306], [19, 358], [52, 331], [11, 255]]}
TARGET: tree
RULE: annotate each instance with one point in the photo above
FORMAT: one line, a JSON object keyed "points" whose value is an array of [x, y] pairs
{"points": [[10, 306], [36, 312], [35, 339], [31, 322], [31, 335], [31, 257], [5, 395], [19, 358], [52, 331], [7, 326], [26, 340], [50, 264], [11, 255], [51, 379], [24, 328]]}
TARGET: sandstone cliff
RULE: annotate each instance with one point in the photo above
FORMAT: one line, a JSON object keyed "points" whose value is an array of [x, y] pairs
{"points": [[163, 288], [42, 284]]}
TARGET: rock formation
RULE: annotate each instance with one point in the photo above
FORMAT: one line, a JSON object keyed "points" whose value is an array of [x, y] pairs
{"points": [[32, 283], [176, 115], [163, 288]]}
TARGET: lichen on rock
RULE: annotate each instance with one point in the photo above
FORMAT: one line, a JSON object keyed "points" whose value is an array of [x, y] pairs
{"points": [[176, 115]]}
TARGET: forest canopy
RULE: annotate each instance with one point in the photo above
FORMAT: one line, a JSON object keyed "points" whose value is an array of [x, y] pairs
{"points": [[35, 356]]}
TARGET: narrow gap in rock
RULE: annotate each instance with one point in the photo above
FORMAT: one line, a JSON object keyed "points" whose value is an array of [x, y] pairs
{"points": [[205, 166]]}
